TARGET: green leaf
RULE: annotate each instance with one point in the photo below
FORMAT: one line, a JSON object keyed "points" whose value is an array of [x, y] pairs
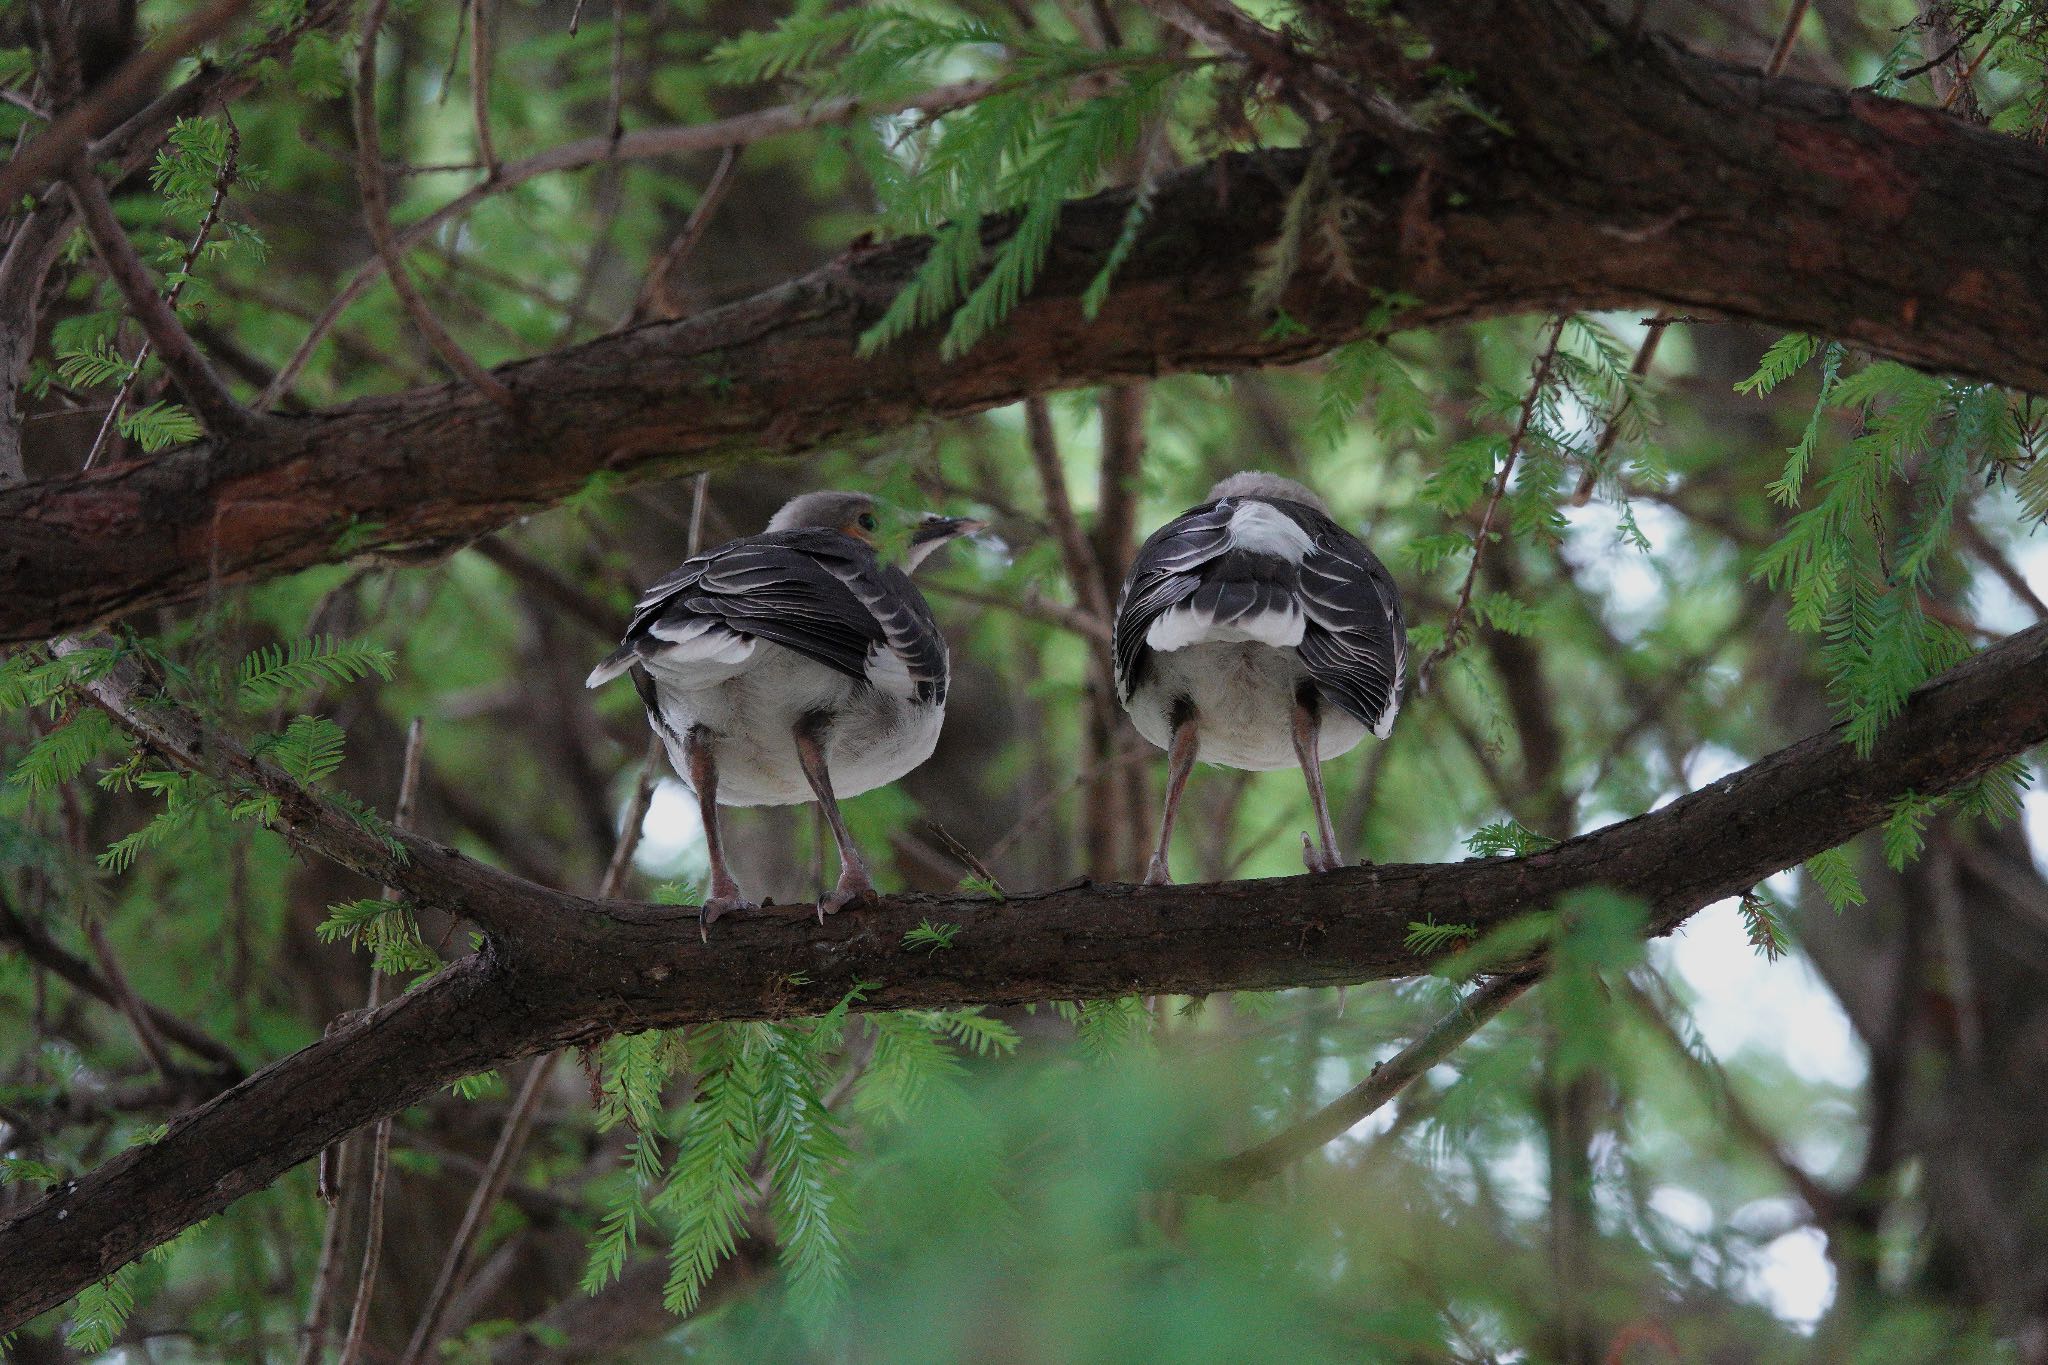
{"points": [[308, 750], [931, 937], [159, 425], [1836, 877], [303, 663], [1507, 838], [100, 1312], [1426, 936], [63, 754]]}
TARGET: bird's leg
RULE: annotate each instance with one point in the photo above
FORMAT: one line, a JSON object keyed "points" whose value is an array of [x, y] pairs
{"points": [[1307, 736], [854, 881], [1180, 761], [703, 775]]}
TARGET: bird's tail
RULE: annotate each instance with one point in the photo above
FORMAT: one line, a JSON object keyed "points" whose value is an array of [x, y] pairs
{"points": [[615, 663]]}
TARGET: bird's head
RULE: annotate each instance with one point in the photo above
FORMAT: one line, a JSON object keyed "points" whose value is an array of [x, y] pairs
{"points": [[880, 524], [1257, 483]]}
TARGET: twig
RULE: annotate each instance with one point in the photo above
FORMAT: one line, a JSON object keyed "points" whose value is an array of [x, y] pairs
{"points": [[1082, 569], [1788, 37], [220, 193], [380, 1142], [1537, 381], [519, 1119], [480, 86], [654, 299], [1714, 1084], [578, 605], [1646, 354], [60, 142], [641, 143], [39, 948], [1090, 628], [377, 218], [1233, 1175], [189, 370], [1995, 560]]}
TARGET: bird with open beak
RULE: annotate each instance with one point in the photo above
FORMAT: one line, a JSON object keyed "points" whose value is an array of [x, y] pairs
{"points": [[1255, 632], [792, 666]]}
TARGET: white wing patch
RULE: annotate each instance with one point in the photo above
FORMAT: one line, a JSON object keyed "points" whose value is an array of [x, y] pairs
{"points": [[1182, 626], [1264, 529], [889, 672]]}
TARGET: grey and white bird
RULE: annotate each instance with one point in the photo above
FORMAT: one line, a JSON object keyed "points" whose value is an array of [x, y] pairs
{"points": [[792, 666], [1255, 632]]}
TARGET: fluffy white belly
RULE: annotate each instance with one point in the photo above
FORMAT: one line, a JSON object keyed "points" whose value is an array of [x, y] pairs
{"points": [[752, 715], [1243, 695]]}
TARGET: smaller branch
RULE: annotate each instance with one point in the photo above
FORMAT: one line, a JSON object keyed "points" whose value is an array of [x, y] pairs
{"points": [[39, 948], [519, 1120], [576, 604], [189, 370], [654, 301], [206, 224], [1456, 621], [1788, 38], [380, 1142], [327, 1274], [1082, 570], [1713, 1083], [61, 141], [1646, 354], [1233, 1175], [639, 144], [1090, 628], [480, 86], [377, 218], [1996, 560]]}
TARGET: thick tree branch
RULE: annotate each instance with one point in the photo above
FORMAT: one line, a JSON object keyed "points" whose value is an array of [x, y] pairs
{"points": [[565, 969], [1635, 173]]}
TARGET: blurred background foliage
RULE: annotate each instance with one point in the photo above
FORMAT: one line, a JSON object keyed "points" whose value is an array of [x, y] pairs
{"points": [[1806, 1127]]}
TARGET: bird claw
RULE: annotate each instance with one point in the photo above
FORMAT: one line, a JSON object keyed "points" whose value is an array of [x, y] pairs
{"points": [[714, 906], [1156, 873], [1315, 859], [846, 893]]}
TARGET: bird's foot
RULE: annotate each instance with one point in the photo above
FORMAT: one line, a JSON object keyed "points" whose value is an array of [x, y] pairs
{"points": [[1156, 873], [1318, 860], [852, 888], [714, 906]]}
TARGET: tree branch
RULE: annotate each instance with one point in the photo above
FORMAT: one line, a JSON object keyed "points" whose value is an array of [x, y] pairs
{"points": [[1692, 184], [565, 969]]}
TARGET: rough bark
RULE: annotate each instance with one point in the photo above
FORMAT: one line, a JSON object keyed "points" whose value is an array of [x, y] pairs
{"points": [[1634, 173], [585, 968]]}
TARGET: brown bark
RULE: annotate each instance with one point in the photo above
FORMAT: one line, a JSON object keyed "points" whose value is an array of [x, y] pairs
{"points": [[1635, 173], [560, 968]]}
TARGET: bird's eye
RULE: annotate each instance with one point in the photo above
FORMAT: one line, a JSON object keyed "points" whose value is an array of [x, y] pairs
{"points": [[867, 521]]}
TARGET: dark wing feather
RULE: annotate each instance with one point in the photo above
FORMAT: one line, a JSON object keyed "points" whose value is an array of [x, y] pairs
{"points": [[817, 592], [1355, 644], [1165, 573]]}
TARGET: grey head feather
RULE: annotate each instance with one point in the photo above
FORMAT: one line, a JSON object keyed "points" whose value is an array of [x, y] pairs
{"points": [[1256, 483], [825, 508]]}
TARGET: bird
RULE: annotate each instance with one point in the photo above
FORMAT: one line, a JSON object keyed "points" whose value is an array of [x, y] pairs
{"points": [[792, 666], [1254, 632]]}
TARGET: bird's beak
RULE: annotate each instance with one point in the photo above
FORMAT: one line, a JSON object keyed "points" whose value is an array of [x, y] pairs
{"points": [[932, 532]]}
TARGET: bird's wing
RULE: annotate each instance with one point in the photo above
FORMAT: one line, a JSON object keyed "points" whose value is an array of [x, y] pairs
{"points": [[1355, 644], [910, 658], [1166, 573], [791, 588]]}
